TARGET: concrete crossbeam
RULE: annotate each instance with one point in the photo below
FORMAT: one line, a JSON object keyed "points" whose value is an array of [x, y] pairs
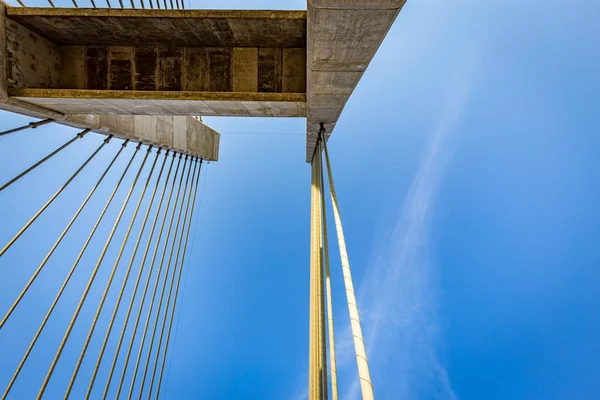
{"points": [[179, 133], [183, 134], [157, 62]]}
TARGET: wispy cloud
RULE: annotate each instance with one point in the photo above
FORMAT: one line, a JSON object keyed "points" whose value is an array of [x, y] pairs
{"points": [[398, 297]]}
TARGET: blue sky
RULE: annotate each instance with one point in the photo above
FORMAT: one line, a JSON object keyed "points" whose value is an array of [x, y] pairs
{"points": [[466, 165]]}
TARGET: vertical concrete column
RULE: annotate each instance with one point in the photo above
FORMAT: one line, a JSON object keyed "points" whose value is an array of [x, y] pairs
{"points": [[321, 284], [316, 335]]}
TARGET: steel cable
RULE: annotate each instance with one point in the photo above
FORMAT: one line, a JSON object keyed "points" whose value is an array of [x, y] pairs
{"points": [[40, 162], [137, 243], [156, 287], [53, 197], [121, 380], [330, 325], [178, 283], [116, 263], [59, 294], [134, 292], [93, 276], [164, 322], [359, 343], [60, 238], [31, 125]]}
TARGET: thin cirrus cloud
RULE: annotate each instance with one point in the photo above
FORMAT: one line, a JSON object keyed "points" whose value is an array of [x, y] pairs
{"points": [[398, 296]]}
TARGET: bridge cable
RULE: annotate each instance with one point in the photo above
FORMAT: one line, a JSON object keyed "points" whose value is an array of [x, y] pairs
{"points": [[114, 270], [190, 185], [60, 238], [359, 344], [191, 214], [93, 276], [164, 323], [165, 279], [185, 279], [134, 293], [53, 197], [31, 125], [60, 291], [330, 325], [122, 378], [114, 315], [40, 162]]}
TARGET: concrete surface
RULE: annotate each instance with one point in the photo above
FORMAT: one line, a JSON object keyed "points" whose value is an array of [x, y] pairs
{"points": [[165, 103], [342, 38], [182, 28], [60, 61], [183, 134]]}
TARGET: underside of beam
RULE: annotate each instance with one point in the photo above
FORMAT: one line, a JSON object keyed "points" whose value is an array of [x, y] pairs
{"points": [[133, 102], [156, 62], [342, 38]]}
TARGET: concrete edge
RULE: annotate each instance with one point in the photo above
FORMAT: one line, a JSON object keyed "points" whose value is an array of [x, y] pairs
{"points": [[3, 55], [158, 95], [153, 13], [357, 4]]}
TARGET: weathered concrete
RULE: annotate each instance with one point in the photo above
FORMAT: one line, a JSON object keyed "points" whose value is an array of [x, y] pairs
{"points": [[342, 38], [191, 62], [156, 68], [3, 61], [184, 134], [181, 28], [180, 133], [249, 65], [135, 102], [31, 60]]}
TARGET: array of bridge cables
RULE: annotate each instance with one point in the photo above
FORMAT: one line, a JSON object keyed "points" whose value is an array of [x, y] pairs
{"points": [[125, 235]]}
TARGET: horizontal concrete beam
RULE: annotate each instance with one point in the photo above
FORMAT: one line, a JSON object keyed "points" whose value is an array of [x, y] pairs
{"points": [[178, 133], [183, 134], [49, 62], [134, 102], [342, 39]]}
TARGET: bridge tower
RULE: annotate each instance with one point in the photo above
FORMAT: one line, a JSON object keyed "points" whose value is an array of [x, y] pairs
{"points": [[140, 76]]}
